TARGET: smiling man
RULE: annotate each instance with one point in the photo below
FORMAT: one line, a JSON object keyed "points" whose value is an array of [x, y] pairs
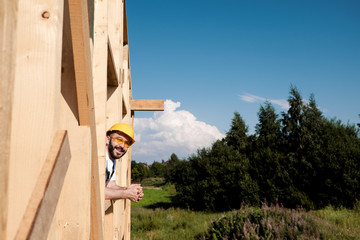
{"points": [[119, 138]]}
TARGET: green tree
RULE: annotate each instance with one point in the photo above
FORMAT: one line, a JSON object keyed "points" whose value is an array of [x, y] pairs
{"points": [[157, 169], [139, 172], [170, 168], [268, 128], [339, 174], [313, 130], [296, 163], [266, 158], [293, 122], [237, 136]]}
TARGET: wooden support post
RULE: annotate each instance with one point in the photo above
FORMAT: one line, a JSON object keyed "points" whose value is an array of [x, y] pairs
{"points": [[36, 221], [100, 70]]}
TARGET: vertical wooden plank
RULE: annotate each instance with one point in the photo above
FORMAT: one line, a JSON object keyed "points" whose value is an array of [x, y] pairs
{"points": [[79, 22], [118, 108], [80, 193], [8, 19], [72, 218], [127, 94], [100, 56], [113, 115], [114, 102], [35, 100], [124, 166]]}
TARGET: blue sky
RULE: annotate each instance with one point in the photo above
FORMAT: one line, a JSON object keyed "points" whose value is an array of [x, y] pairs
{"points": [[209, 59]]}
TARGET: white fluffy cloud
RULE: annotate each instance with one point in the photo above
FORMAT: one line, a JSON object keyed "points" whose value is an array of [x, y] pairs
{"points": [[252, 98], [171, 131]]}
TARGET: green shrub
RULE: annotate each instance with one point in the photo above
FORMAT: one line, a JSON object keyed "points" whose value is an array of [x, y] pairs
{"points": [[263, 223]]}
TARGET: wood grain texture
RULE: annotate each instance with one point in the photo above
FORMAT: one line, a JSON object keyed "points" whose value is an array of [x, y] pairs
{"points": [[8, 19], [72, 217], [100, 81], [82, 56], [147, 105], [36, 94], [36, 221]]}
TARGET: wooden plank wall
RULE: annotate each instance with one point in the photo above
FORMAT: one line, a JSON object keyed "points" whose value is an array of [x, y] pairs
{"points": [[65, 79], [57, 80]]}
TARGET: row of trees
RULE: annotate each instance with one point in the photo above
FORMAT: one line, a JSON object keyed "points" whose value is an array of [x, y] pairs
{"points": [[297, 158], [140, 171]]}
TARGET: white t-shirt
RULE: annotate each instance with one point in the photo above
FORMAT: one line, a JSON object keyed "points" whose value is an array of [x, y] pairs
{"points": [[110, 173]]}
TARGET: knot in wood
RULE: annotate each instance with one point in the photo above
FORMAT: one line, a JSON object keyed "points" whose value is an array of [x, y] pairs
{"points": [[45, 15]]}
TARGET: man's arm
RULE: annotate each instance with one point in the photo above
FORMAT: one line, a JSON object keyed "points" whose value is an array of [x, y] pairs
{"points": [[133, 192]]}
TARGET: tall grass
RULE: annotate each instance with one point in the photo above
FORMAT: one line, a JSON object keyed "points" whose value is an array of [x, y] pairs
{"points": [[168, 224], [338, 223]]}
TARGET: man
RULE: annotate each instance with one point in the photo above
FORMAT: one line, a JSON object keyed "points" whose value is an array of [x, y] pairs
{"points": [[119, 138]]}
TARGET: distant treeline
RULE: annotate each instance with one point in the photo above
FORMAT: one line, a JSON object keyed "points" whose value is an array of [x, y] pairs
{"points": [[298, 159]]}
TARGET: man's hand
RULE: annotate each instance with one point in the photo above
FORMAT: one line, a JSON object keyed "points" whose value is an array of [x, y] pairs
{"points": [[136, 192]]}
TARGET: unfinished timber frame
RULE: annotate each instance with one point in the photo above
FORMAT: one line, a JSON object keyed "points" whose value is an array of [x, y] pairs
{"points": [[65, 79]]}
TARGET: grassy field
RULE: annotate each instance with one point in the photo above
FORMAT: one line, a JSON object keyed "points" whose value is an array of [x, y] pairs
{"points": [[157, 217], [338, 223]]}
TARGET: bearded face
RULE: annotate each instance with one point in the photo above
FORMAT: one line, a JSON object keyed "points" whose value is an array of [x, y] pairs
{"points": [[115, 149]]}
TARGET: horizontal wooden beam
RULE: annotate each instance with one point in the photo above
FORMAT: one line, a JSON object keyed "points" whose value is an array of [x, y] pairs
{"points": [[40, 210], [147, 105]]}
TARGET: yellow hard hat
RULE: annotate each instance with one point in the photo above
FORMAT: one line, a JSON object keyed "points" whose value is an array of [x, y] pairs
{"points": [[124, 128]]}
